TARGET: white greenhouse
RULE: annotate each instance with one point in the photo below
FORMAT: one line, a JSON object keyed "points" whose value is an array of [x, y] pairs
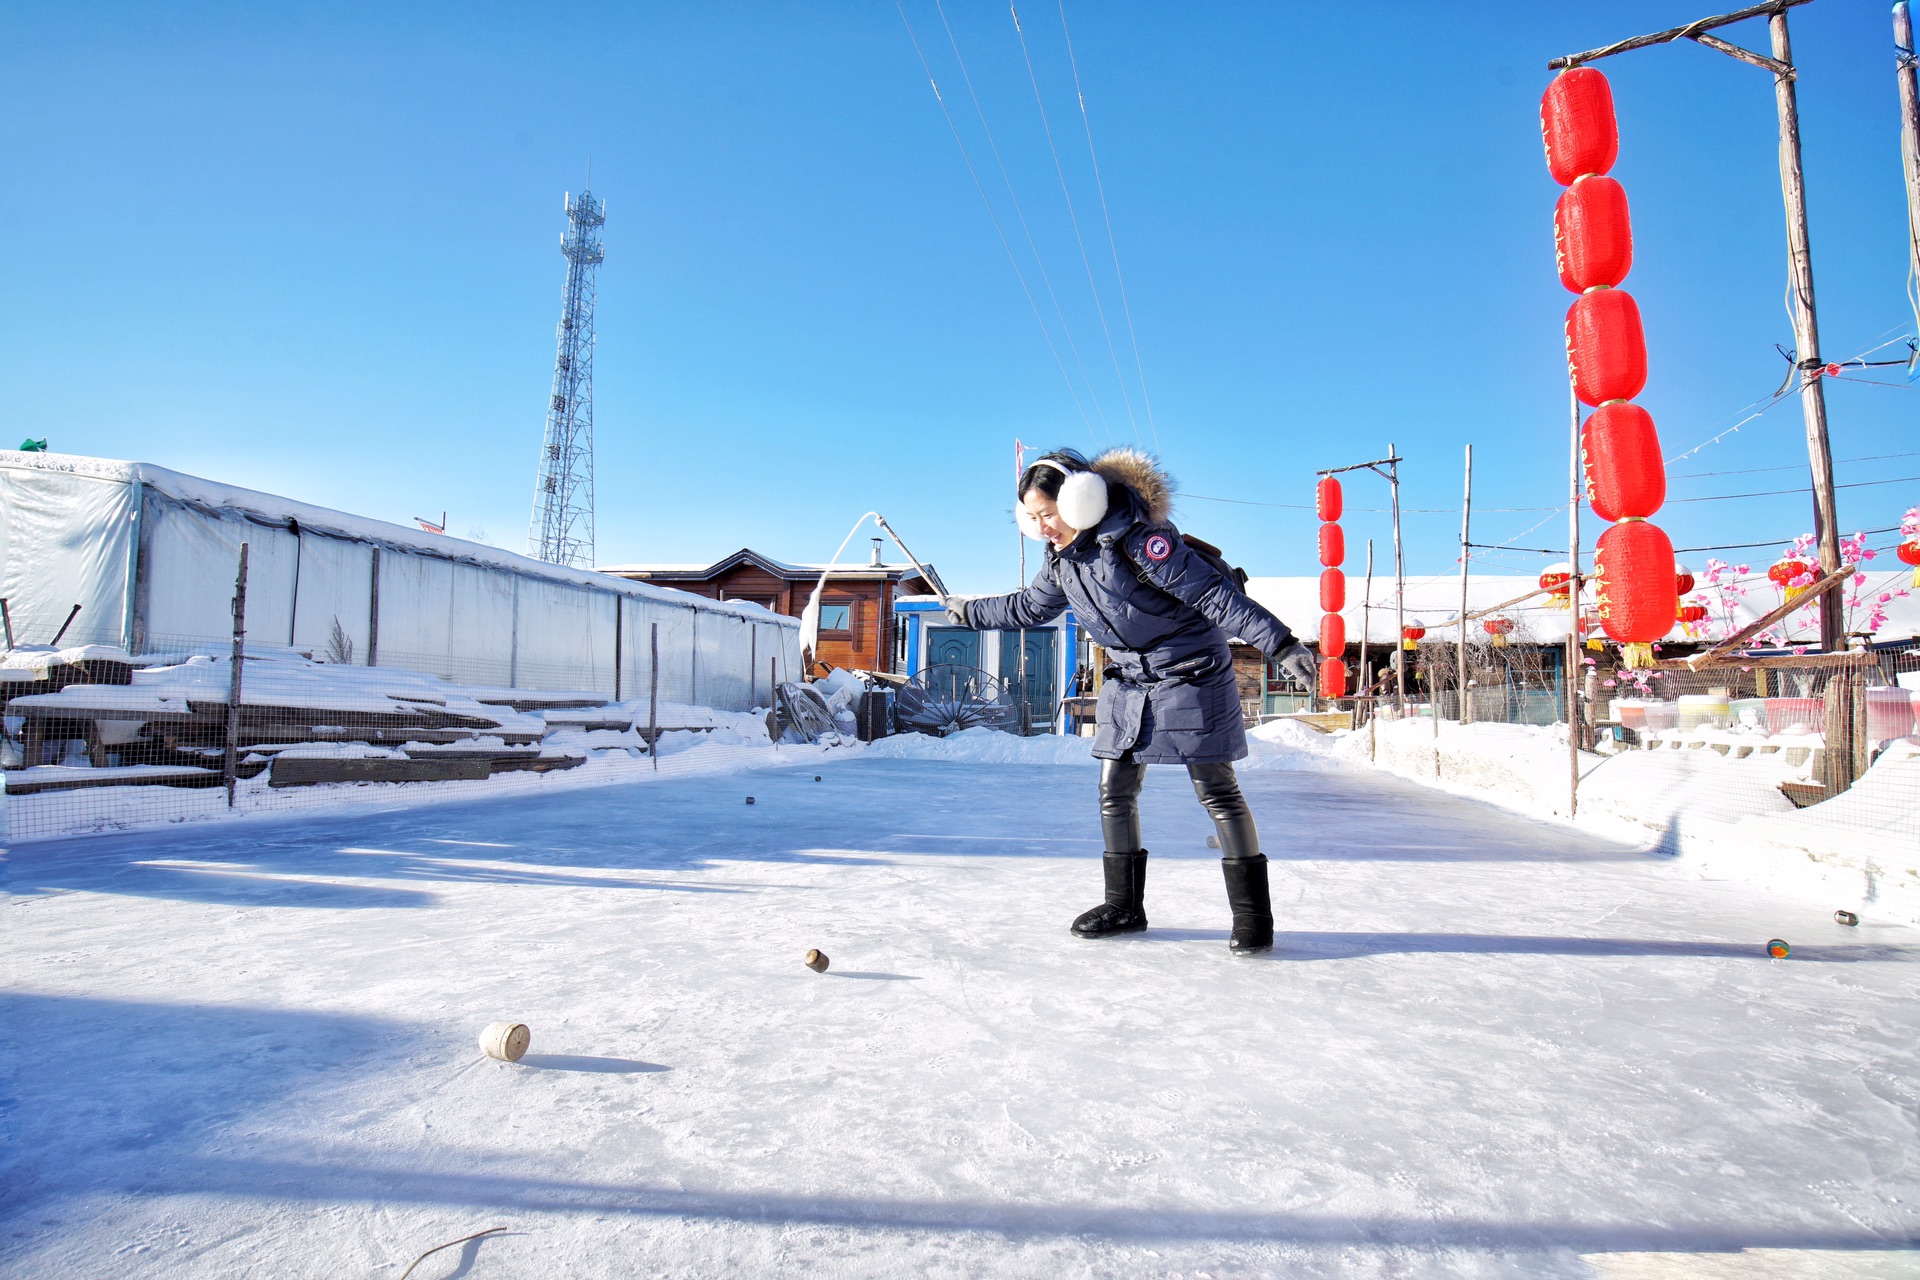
{"points": [[150, 557]]}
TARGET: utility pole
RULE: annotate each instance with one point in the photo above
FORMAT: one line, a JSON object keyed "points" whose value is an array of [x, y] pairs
{"points": [[1466, 553], [1905, 63], [1806, 329], [1399, 583], [1387, 468], [1572, 663]]}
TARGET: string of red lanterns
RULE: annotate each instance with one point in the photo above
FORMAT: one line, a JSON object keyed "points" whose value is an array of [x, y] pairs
{"points": [[1328, 503], [1626, 482]]}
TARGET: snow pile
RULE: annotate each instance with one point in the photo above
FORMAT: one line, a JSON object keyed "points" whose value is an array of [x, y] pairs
{"points": [[1722, 816], [984, 746], [1290, 744]]}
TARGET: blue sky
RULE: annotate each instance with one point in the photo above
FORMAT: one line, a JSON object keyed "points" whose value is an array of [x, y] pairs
{"points": [[314, 250]]}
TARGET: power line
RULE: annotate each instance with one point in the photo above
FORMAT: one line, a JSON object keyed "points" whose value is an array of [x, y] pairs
{"points": [[1000, 231], [1099, 307], [1040, 262], [1777, 493], [1754, 471], [1113, 245]]}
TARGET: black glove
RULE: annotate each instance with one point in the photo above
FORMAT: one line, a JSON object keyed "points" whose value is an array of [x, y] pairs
{"points": [[1297, 663], [957, 612]]}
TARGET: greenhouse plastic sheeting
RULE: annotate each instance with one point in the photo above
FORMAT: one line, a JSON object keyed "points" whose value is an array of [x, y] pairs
{"points": [[65, 540], [152, 554]]}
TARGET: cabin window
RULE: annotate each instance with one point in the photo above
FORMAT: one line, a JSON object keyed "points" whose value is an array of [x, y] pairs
{"points": [[836, 617]]}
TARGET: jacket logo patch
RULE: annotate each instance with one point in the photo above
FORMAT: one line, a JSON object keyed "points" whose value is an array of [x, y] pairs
{"points": [[1159, 547]]}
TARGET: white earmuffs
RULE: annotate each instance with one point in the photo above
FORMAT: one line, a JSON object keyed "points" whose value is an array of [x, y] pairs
{"points": [[1082, 502]]}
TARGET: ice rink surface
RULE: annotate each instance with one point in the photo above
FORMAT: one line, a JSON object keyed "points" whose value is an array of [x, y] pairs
{"points": [[1484, 1046]]}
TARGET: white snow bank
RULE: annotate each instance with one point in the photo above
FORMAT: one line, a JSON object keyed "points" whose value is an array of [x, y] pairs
{"points": [[1289, 744], [984, 746], [1722, 817]]}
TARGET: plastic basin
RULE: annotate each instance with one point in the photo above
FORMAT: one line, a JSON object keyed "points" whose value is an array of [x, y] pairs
{"points": [[1889, 713], [1796, 715]]}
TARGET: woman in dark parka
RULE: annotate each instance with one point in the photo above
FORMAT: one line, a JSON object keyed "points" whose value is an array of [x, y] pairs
{"points": [[1163, 613]]}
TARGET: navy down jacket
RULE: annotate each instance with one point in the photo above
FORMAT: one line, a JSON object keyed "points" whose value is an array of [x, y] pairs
{"points": [[1162, 612]]}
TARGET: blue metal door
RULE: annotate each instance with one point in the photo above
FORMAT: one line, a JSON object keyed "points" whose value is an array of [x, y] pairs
{"points": [[952, 646], [1042, 694]]}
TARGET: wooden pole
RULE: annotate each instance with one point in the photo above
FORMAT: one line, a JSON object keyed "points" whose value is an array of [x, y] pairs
{"points": [[1399, 584], [619, 620], [1572, 663], [1691, 31], [1365, 688], [1366, 606], [229, 770], [1806, 336], [1466, 553], [653, 700], [1909, 130]]}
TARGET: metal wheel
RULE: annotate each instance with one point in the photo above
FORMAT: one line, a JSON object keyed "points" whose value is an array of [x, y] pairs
{"points": [[945, 699]]}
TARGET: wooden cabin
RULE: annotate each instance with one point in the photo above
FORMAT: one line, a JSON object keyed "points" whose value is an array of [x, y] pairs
{"points": [[857, 626]]}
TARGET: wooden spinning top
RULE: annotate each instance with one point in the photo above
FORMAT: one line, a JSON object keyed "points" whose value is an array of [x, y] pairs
{"points": [[506, 1041], [817, 960]]}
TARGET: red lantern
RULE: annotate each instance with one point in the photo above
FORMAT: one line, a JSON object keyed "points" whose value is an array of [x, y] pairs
{"points": [[1785, 571], [1633, 575], [1412, 634], [1326, 498], [1626, 476], [1333, 591], [1592, 236], [1333, 635], [1692, 613], [1682, 579], [1333, 545], [1556, 581], [1499, 629], [1576, 122], [1909, 553], [1606, 347], [1333, 678], [1589, 632]]}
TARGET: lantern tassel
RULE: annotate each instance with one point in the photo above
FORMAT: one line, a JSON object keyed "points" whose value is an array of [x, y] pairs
{"points": [[1638, 656], [1596, 643]]}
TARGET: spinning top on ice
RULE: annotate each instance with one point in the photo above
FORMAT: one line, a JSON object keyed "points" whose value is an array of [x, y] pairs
{"points": [[1213, 842], [506, 1041], [1845, 917], [1778, 948], [816, 777], [817, 960], [749, 799]]}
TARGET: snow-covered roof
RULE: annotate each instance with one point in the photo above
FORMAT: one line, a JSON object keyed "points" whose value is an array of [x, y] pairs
{"points": [[1435, 601], [275, 510], [784, 568]]}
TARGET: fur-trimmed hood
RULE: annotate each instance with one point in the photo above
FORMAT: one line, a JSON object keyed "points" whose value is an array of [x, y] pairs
{"points": [[1142, 473]]}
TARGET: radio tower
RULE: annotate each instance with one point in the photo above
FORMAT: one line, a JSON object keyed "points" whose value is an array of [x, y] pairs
{"points": [[562, 528]]}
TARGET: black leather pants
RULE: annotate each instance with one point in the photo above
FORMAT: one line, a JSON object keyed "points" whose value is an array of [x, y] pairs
{"points": [[1219, 792]]}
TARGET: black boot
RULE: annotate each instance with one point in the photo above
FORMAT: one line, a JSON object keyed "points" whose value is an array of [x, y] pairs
{"points": [[1123, 911], [1252, 908]]}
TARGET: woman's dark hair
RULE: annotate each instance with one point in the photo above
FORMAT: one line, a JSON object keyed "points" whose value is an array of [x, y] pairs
{"points": [[1046, 478]]}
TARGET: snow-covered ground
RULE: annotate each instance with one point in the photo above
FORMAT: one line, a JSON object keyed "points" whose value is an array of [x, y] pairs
{"points": [[1485, 1045]]}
